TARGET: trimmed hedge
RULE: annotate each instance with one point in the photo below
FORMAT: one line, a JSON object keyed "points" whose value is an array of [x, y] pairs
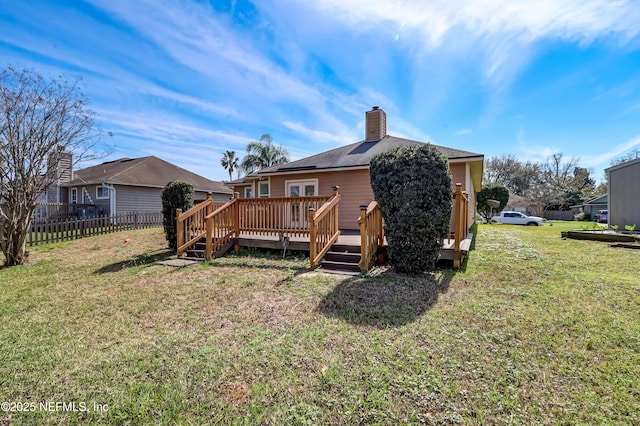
{"points": [[175, 195], [412, 185]]}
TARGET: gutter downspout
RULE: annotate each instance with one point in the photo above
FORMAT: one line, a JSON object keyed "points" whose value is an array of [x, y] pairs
{"points": [[112, 201]]}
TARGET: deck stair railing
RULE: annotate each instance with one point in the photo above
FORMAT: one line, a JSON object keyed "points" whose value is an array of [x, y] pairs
{"points": [[461, 204], [222, 228], [323, 228], [371, 234], [191, 224]]}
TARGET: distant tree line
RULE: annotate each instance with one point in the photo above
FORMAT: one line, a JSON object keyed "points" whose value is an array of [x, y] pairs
{"points": [[556, 183]]}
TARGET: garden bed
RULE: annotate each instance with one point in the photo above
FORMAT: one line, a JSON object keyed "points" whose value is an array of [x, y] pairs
{"points": [[600, 235]]}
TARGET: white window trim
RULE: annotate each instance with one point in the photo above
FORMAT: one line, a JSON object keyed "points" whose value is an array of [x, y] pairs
{"points": [[246, 190], [71, 196], [303, 182], [102, 198], [268, 182]]}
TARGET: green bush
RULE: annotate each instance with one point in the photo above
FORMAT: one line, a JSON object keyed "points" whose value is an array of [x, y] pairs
{"points": [[412, 185], [582, 216], [176, 195], [492, 191]]}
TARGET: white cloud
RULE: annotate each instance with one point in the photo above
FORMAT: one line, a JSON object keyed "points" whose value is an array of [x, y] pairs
{"points": [[606, 157], [463, 132], [319, 135], [503, 29]]}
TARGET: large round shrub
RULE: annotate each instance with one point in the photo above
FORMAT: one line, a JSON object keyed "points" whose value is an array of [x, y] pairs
{"points": [[492, 191], [412, 185], [175, 195]]}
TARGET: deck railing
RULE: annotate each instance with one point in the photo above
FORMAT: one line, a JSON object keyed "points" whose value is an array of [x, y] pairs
{"points": [[461, 204], [272, 216], [219, 224], [191, 224], [323, 227], [371, 234]]}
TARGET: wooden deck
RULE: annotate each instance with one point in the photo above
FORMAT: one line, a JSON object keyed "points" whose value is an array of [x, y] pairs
{"points": [[347, 238], [301, 223]]}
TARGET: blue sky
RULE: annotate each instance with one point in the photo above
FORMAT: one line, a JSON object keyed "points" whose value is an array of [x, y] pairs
{"points": [[187, 80]]}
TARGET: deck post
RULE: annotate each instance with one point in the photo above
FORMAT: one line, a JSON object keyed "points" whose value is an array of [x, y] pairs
{"points": [[364, 255], [313, 247], [180, 231], [208, 251], [458, 218], [236, 219], [335, 189], [209, 201]]}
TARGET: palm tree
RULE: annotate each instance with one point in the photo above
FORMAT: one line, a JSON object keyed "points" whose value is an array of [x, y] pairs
{"points": [[230, 162], [263, 154]]}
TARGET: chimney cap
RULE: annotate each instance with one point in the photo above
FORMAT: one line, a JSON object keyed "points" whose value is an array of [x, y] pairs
{"points": [[375, 108]]}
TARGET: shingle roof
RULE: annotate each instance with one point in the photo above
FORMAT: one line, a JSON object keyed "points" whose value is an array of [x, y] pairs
{"points": [[359, 154], [146, 171]]}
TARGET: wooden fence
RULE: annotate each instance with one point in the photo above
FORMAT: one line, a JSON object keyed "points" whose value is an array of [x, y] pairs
{"points": [[559, 214], [71, 229]]}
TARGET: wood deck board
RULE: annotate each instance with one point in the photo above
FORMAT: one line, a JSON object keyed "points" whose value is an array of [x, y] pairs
{"points": [[302, 243]]}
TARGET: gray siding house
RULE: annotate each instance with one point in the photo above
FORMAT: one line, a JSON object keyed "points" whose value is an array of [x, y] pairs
{"points": [[624, 203], [134, 184]]}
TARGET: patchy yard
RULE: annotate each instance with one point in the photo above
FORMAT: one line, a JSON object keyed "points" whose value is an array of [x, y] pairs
{"points": [[534, 330]]}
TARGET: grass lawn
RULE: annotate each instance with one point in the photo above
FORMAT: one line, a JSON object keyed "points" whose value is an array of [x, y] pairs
{"points": [[534, 330]]}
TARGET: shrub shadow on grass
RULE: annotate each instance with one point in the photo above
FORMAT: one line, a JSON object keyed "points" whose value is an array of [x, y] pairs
{"points": [[145, 259], [385, 300]]}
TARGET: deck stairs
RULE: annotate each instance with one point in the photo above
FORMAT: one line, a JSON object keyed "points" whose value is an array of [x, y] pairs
{"points": [[197, 250], [342, 259]]}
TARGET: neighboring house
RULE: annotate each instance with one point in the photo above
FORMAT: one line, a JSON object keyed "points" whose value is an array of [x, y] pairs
{"points": [[134, 184], [243, 186], [592, 206], [624, 203], [348, 167], [520, 204]]}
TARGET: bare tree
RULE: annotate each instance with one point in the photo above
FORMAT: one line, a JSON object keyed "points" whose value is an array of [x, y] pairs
{"points": [[40, 119], [512, 173], [634, 154], [562, 182]]}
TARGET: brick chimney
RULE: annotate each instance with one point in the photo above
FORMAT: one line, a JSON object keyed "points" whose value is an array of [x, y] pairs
{"points": [[375, 124]]}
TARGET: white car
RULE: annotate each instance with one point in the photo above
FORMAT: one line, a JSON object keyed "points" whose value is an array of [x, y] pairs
{"points": [[517, 218]]}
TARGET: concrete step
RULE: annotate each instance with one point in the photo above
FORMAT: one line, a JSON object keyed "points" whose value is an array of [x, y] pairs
{"points": [[338, 272]]}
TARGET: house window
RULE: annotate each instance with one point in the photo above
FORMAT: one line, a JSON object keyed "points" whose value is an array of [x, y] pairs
{"points": [[74, 195], [264, 190], [301, 188], [102, 193], [248, 192]]}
